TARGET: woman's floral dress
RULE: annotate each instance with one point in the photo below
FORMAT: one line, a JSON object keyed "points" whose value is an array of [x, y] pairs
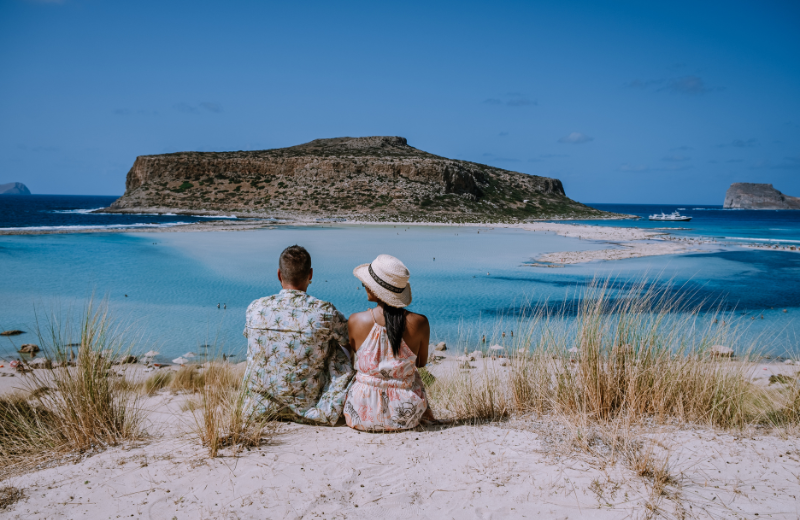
{"points": [[388, 393]]}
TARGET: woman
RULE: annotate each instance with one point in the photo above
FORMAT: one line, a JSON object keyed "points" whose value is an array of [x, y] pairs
{"points": [[390, 343]]}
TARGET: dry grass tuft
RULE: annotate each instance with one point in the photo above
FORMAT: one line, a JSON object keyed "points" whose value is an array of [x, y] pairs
{"points": [[186, 379], [157, 381], [468, 397], [789, 413], [221, 418], [85, 406], [642, 354], [10, 496]]}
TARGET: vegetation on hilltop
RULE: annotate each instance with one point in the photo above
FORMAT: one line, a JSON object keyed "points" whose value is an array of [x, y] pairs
{"points": [[371, 178]]}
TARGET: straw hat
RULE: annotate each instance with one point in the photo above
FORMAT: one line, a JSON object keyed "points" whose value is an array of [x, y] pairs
{"points": [[387, 278]]}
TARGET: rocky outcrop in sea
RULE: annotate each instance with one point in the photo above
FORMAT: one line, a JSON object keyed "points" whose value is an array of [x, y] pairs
{"points": [[380, 178], [14, 188], [747, 195]]}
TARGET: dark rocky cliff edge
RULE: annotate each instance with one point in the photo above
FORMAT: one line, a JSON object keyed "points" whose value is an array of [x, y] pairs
{"points": [[363, 178], [14, 188], [747, 195]]}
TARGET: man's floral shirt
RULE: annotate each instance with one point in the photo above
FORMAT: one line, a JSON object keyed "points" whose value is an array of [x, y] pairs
{"points": [[297, 367]]}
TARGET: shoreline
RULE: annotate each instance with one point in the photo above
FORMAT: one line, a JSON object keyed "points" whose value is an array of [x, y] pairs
{"points": [[624, 242]]}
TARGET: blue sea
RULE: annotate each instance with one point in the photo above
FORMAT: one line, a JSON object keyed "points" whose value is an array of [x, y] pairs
{"points": [[733, 226], [78, 213], [165, 287]]}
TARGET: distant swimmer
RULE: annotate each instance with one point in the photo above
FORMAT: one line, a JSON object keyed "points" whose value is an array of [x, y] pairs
{"points": [[217, 306], [487, 273], [434, 258], [224, 305], [126, 295]]}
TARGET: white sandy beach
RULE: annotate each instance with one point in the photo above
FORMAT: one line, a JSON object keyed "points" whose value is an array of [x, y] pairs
{"points": [[525, 467]]}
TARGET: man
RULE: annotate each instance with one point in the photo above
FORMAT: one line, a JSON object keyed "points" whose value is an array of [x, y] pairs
{"points": [[298, 367]]}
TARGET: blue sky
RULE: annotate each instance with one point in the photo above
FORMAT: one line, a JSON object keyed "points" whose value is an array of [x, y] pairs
{"points": [[640, 102]]}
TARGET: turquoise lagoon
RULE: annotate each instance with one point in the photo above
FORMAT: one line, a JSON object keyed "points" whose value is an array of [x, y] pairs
{"points": [[166, 286]]}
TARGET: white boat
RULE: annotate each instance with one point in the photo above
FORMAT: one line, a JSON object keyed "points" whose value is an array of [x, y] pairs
{"points": [[672, 217]]}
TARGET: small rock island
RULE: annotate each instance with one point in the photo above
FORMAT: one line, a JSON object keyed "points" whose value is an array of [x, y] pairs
{"points": [[368, 178], [748, 195], [14, 188]]}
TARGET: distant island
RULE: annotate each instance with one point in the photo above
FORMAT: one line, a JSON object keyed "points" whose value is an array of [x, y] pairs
{"points": [[746, 195], [362, 178], [14, 188]]}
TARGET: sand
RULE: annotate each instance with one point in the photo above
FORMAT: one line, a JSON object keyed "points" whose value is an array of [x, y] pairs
{"points": [[525, 467], [504, 470]]}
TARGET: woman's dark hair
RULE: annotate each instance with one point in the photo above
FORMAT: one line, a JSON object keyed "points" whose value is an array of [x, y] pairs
{"points": [[395, 326]]}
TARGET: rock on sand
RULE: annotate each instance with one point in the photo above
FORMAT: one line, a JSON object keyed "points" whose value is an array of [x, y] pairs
{"points": [[721, 351]]}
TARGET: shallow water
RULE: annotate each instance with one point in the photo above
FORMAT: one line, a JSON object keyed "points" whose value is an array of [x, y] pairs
{"points": [[174, 281]]}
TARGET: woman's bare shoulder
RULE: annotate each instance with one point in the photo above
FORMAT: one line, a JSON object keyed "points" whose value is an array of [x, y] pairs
{"points": [[416, 321], [359, 318]]}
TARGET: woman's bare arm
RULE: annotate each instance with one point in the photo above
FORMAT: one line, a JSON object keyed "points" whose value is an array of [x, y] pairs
{"points": [[420, 330]]}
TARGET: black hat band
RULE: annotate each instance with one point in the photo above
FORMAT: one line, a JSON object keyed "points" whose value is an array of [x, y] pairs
{"points": [[383, 284]]}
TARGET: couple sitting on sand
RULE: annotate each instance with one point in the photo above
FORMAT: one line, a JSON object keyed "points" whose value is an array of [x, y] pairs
{"points": [[300, 351]]}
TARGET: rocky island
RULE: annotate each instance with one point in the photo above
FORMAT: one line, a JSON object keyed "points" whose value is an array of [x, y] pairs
{"points": [[14, 188], [363, 178], [747, 195]]}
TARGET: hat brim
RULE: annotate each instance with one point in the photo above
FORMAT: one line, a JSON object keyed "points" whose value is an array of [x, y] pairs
{"points": [[388, 297]]}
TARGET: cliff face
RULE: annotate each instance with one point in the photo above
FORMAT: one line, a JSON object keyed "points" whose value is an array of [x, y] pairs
{"points": [[746, 195], [14, 188], [379, 176]]}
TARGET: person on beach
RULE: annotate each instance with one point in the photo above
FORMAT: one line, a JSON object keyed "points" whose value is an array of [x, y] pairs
{"points": [[298, 365], [390, 343]]}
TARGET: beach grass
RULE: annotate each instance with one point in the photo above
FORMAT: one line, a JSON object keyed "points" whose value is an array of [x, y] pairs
{"points": [[222, 419], [633, 353], [78, 404], [157, 381]]}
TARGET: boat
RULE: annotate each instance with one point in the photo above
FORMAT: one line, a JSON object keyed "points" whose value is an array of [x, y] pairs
{"points": [[672, 217]]}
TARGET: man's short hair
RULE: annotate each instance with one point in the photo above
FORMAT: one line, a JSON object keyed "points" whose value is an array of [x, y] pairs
{"points": [[295, 265]]}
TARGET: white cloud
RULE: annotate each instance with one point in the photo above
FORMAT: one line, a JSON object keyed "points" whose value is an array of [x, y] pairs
{"points": [[186, 108], [576, 138]]}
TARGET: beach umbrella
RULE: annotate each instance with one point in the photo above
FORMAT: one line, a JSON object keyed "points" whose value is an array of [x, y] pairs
{"points": [[180, 361], [151, 353], [496, 347], [189, 355]]}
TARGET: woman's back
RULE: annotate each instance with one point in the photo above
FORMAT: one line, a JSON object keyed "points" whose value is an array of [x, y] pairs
{"points": [[388, 393], [416, 333]]}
